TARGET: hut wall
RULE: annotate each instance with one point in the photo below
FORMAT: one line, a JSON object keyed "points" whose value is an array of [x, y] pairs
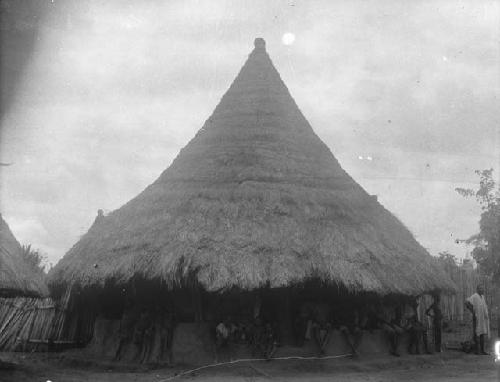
{"points": [[106, 338]]}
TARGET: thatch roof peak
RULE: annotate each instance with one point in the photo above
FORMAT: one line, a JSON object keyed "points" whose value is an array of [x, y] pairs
{"points": [[260, 43], [16, 277], [254, 199]]}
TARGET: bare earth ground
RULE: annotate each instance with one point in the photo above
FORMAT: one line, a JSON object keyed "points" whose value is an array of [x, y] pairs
{"points": [[450, 366]]}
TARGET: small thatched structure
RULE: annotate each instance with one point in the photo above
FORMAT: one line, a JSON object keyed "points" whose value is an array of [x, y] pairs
{"points": [[16, 277], [26, 313], [255, 199]]}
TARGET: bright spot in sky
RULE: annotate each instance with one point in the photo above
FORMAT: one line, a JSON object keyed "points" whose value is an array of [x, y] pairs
{"points": [[288, 38], [365, 158]]}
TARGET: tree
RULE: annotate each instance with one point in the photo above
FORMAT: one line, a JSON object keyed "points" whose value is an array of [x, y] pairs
{"points": [[486, 243], [447, 261], [35, 259]]}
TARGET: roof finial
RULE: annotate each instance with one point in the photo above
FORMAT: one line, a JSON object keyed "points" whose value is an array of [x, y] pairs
{"points": [[99, 217], [260, 43]]}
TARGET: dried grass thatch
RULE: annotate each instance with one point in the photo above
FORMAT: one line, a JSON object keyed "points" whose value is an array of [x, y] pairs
{"points": [[254, 199], [16, 277]]}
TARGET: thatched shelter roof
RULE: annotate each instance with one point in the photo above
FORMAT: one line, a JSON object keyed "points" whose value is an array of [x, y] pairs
{"points": [[254, 199], [16, 277]]}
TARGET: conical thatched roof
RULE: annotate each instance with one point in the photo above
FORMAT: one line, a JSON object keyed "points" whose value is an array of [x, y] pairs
{"points": [[16, 277], [254, 199]]}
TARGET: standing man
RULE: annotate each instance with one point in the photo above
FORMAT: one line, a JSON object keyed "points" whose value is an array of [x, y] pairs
{"points": [[480, 319], [437, 320]]}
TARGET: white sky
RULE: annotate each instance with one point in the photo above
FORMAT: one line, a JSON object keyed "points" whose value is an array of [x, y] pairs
{"points": [[115, 89]]}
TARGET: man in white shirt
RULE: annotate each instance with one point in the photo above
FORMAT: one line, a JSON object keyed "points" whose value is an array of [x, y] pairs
{"points": [[480, 318]]}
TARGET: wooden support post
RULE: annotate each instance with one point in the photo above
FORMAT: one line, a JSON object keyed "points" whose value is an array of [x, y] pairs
{"points": [[257, 304], [197, 304], [498, 326], [288, 316]]}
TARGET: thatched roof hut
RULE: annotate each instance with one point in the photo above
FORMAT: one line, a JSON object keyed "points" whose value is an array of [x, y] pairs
{"points": [[16, 277], [255, 199]]}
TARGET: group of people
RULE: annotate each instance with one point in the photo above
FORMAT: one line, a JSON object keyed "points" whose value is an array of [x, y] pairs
{"points": [[316, 322], [261, 335], [313, 321], [139, 328]]}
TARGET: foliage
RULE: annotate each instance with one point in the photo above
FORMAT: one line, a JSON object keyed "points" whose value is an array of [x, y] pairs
{"points": [[36, 260], [487, 242], [447, 260], [447, 257]]}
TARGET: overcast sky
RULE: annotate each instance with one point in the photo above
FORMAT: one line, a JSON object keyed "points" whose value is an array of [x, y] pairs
{"points": [[104, 94]]}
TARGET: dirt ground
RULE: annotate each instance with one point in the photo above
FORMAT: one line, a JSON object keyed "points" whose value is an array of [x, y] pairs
{"points": [[450, 366]]}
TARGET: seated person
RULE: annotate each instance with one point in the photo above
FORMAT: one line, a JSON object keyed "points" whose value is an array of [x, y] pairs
{"points": [[233, 330], [321, 327], [417, 333], [147, 342], [142, 335], [222, 333], [165, 328], [270, 340], [129, 319], [242, 334], [351, 327], [300, 327], [257, 336], [389, 320], [265, 339]]}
